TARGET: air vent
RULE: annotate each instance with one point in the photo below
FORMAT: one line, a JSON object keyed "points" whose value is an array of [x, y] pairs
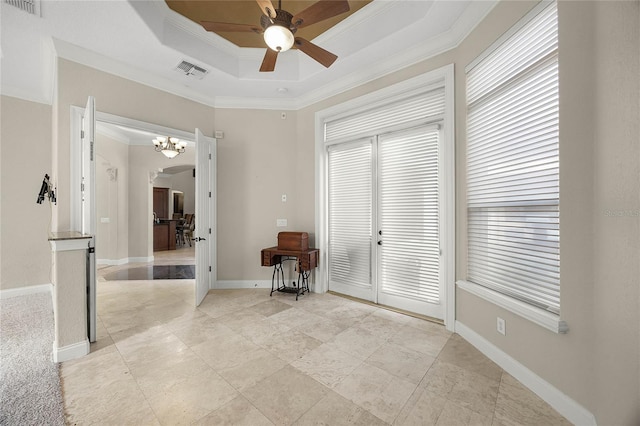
{"points": [[29, 6], [187, 68]]}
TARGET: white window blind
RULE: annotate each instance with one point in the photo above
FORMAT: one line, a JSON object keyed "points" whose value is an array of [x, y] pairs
{"points": [[409, 214], [513, 165], [400, 113], [350, 203]]}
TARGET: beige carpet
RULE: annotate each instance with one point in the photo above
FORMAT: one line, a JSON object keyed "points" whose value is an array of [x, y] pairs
{"points": [[29, 382]]}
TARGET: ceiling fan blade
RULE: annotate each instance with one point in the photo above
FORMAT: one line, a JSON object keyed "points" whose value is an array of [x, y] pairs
{"points": [[267, 8], [323, 9], [325, 57], [232, 28], [269, 61]]}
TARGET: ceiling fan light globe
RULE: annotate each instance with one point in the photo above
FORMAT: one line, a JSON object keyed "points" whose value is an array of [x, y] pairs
{"points": [[278, 38]]}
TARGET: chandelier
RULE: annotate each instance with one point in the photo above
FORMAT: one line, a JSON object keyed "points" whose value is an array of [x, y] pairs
{"points": [[169, 146]]}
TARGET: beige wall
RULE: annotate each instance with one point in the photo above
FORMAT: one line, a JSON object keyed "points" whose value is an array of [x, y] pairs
{"points": [[186, 183], [69, 297], [112, 199], [256, 166], [616, 212], [25, 135]]}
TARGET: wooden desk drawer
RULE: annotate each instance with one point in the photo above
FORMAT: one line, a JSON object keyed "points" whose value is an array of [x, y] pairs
{"points": [[308, 261], [269, 259]]}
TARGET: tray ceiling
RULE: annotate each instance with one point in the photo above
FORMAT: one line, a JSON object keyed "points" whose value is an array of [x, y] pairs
{"points": [[248, 12], [146, 40]]}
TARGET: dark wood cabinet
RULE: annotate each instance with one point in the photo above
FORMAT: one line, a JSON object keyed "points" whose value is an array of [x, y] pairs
{"points": [[164, 235], [161, 202]]}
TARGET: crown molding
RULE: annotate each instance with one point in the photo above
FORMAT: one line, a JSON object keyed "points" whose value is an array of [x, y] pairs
{"points": [[102, 63]]}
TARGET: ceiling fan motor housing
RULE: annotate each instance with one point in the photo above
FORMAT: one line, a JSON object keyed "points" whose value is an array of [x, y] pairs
{"points": [[283, 18]]}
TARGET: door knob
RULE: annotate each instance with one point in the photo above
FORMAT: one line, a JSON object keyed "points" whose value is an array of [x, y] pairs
{"points": [[196, 239], [380, 242]]}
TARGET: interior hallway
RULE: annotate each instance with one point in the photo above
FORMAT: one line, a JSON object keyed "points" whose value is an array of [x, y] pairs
{"points": [[243, 357]]}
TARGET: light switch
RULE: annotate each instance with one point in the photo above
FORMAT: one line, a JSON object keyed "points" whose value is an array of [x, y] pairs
{"points": [[281, 222]]}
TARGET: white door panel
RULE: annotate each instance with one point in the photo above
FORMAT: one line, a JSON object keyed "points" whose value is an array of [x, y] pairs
{"points": [[409, 275], [205, 234], [350, 219], [88, 208]]}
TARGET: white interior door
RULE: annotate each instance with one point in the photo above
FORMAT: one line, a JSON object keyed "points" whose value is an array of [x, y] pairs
{"points": [[88, 207], [205, 219]]}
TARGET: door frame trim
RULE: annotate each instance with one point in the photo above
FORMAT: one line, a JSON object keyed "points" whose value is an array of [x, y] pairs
{"points": [[76, 114], [445, 77], [75, 148]]}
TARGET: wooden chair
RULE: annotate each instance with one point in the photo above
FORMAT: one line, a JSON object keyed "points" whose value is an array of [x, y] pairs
{"points": [[189, 227]]}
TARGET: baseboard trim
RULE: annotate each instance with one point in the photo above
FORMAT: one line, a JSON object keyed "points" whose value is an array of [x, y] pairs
{"points": [[566, 406], [112, 262], [69, 352], [24, 291], [124, 261], [231, 284], [140, 259]]}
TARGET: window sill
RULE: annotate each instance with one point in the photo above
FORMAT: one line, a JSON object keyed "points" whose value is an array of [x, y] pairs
{"points": [[536, 315]]}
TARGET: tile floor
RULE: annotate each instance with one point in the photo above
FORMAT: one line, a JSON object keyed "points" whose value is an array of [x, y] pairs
{"points": [[244, 358]]}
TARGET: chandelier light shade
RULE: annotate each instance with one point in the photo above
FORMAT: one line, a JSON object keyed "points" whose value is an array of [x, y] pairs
{"points": [[169, 146], [278, 38]]}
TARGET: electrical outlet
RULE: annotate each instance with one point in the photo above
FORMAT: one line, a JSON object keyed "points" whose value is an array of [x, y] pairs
{"points": [[501, 326]]}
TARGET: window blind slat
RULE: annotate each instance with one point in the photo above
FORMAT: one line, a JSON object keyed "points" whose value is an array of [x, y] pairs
{"points": [[519, 52], [513, 199], [377, 120]]}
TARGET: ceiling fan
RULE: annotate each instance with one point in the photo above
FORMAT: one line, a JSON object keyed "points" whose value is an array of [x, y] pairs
{"points": [[279, 27]]}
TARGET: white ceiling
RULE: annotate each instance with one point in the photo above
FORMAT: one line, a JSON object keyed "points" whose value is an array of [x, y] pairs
{"points": [[144, 41]]}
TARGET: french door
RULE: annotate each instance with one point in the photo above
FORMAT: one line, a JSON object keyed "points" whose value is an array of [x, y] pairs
{"points": [[384, 219]]}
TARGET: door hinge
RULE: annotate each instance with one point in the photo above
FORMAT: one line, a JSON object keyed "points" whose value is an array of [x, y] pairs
{"points": [[91, 152], [81, 134], [209, 194], [209, 230], [82, 187], [209, 268], [209, 156]]}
